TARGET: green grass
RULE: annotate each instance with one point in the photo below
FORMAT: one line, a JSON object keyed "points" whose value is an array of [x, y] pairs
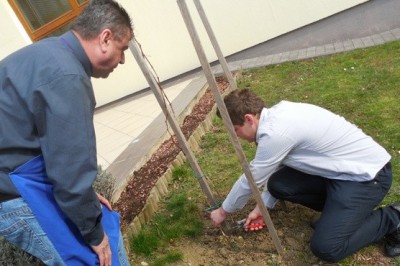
{"points": [[180, 217], [362, 85]]}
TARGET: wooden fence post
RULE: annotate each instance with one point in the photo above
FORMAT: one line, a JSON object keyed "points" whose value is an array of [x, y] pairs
{"points": [[225, 117], [215, 44]]}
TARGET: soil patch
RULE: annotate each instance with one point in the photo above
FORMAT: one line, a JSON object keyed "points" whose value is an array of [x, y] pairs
{"points": [[256, 247]]}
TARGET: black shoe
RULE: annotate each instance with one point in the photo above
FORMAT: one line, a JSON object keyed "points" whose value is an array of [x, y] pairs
{"points": [[392, 246]]}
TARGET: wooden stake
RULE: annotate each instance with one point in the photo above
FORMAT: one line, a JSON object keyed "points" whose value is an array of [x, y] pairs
{"points": [[225, 117], [215, 44]]}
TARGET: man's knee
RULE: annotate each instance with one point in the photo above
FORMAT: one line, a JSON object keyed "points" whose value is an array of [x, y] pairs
{"points": [[327, 251], [273, 186], [277, 188]]}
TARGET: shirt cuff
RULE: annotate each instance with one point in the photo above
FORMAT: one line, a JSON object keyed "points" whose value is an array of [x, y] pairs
{"points": [[94, 237], [229, 208], [268, 199]]}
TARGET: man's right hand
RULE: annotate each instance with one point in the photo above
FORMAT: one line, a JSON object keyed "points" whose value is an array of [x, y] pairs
{"points": [[103, 251], [255, 220]]}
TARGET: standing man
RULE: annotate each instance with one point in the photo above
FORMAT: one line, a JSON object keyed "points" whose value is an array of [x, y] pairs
{"points": [[310, 156], [47, 139]]}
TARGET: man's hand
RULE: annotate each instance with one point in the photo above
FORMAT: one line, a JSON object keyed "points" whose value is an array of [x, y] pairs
{"points": [[255, 220], [218, 216], [103, 251], [254, 214], [104, 201]]}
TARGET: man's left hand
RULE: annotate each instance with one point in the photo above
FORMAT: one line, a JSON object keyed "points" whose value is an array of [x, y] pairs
{"points": [[104, 201]]}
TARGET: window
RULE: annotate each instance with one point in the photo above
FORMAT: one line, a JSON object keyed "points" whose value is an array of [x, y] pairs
{"points": [[42, 18]]}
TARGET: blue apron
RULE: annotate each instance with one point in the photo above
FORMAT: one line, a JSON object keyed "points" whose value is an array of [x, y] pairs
{"points": [[32, 183]]}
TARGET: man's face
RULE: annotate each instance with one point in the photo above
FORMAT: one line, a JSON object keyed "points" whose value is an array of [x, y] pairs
{"points": [[112, 54], [248, 130]]}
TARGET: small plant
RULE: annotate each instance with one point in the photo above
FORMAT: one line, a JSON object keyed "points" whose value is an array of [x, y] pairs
{"points": [[104, 183]]}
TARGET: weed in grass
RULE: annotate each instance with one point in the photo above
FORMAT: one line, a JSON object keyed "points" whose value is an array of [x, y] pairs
{"points": [[180, 173]]}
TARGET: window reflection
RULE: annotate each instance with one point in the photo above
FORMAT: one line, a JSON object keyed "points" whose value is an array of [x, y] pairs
{"points": [[41, 12]]}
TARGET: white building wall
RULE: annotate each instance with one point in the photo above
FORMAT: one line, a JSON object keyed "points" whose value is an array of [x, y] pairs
{"points": [[12, 34], [160, 29]]}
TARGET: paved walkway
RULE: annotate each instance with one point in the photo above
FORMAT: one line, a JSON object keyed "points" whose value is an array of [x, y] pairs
{"points": [[127, 131]]}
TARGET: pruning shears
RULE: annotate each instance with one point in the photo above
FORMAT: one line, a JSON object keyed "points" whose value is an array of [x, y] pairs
{"points": [[241, 225]]}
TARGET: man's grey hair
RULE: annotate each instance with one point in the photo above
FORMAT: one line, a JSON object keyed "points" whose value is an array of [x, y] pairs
{"points": [[100, 15]]}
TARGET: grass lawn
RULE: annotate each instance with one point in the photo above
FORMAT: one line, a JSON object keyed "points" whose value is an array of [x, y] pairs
{"points": [[362, 85]]}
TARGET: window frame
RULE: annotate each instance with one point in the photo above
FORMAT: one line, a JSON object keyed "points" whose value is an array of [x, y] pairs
{"points": [[53, 25]]}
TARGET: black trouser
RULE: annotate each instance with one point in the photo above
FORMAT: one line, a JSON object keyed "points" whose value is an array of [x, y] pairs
{"points": [[348, 220]]}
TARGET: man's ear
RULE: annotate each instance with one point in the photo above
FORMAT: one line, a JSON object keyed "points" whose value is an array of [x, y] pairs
{"points": [[249, 118], [105, 38]]}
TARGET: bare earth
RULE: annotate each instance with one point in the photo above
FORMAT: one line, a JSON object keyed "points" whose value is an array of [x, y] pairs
{"points": [[256, 247]]}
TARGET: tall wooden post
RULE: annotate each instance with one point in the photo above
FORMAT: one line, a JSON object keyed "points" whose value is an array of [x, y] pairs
{"points": [[225, 117], [215, 44]]}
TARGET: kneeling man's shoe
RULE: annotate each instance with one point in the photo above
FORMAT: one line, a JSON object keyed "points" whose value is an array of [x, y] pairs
{"points": [[392, 246]]}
